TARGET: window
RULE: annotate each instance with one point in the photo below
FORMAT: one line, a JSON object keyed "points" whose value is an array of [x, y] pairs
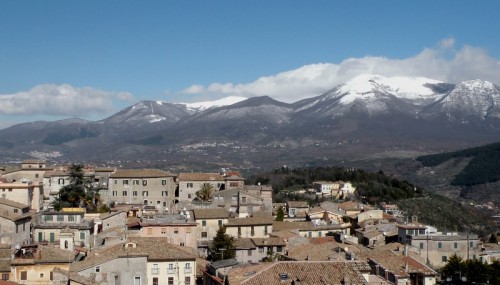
{"points": [[265, 230], [176, 231], [15, 210], [189, 185], [134, 193], [189, 196], [455, 245], [279, 249], [116, 181], [36, 175], [40, 236], [124, 193], [203, 234], [252, 230], [243, 200], [24, 275], [170, 280], [60, 218], [444, 258], [164, 182], [82, 235], [440, 245], [115, 193], [220, 223], [239, 231], [164, 193], [97, 269], [233, 184], [41, 275], [125, 182], [155, 280], [52, 237], [203, 223], [144, 183], [71, 218], [48, 218], [249, 252], [5, 276], [135, 182], [51, 277], [145, 193], [421, 245], [187, 280], [261, 249], [60, 181], [471, 244], [163, 231], [137, 280], [155, 269]]}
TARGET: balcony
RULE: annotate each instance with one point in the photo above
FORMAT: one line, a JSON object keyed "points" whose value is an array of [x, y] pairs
{"points": [[155, 271], [187, 270], [170, 270]]}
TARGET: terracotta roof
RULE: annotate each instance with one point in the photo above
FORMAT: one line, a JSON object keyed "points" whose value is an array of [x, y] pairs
{"points": [[13, 203], [140, 173], [13, 217], [152, 248], [243, 243], [215, 213], [313, 251], [268, 241], [352, 206], [297, 204], [307, 273], [397, 265], [302, 226], [257, 220], [200, 176]]}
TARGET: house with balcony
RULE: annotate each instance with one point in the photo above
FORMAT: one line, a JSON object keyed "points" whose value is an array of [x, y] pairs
{"points": [[139, 261], [149, 187]]}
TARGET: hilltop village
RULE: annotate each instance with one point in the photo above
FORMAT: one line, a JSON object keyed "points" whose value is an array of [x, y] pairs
{"points": [[154, 227]]}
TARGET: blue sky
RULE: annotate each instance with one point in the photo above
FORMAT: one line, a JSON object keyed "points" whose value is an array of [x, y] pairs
{"points": [[88, 59]]}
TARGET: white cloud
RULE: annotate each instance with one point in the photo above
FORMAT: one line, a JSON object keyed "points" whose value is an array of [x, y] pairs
{"points": [[442, 62], [60, 100]]}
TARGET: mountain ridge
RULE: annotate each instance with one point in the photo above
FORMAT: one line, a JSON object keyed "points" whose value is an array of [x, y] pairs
{"points": [[373, 115]]}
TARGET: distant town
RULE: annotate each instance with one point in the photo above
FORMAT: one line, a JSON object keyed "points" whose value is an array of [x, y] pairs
{"points": [[86, 225]]}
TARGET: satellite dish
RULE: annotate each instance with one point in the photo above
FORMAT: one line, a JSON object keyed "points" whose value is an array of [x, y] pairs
{"points": [[17, 247]]}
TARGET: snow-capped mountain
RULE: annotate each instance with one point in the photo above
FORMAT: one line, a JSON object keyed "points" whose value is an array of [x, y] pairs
{"points": [[202, 106], [374, 94], [469, 99], [374, 111]]}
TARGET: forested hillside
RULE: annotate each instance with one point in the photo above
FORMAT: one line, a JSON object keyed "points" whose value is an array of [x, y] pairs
{"points": [[376, 187], [482, 168]]}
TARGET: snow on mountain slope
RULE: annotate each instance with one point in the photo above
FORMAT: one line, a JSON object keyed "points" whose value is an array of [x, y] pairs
{"points": [[472, 98], [364, 87], [202, 106]]}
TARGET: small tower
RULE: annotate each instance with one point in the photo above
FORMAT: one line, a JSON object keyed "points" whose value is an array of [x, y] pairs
{"points": [[67, 239]]}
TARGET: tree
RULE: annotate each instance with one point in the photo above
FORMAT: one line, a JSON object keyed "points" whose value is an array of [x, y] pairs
{"points": [[205, 192], [222, 246], [280, 215], [453, 266], [493, 238], [78, 193]]}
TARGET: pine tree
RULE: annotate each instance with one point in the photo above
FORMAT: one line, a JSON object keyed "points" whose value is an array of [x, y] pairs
{"points": [[78, 193], [280, 215], [223, 246]]}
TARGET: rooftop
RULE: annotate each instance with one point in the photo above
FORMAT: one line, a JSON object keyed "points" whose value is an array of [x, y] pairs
{"points": [[140, 173], [307, 273], [200, 176], [215, 213]]}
